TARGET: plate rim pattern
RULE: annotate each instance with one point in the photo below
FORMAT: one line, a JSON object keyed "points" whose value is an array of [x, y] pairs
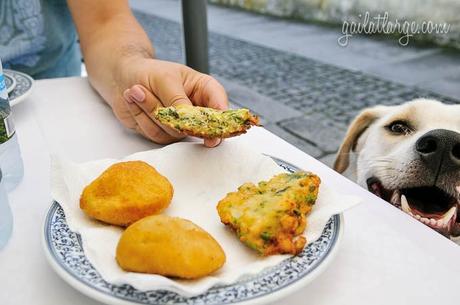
{"points": [[24, 79], [334, 228]]}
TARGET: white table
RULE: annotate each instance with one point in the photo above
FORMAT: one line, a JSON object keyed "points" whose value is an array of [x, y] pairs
{"points": [[386, 257]]}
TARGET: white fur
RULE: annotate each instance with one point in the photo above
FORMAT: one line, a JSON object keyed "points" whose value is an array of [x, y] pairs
{"points": [[391, 157], [379, 152]]}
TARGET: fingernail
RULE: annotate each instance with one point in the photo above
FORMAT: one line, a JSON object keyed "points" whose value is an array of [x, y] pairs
{"points": [[127, 97], [137, 94], [213, 142]]}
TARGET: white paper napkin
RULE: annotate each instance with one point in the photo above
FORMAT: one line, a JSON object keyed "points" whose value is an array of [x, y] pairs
{"points": [[201, 177]]}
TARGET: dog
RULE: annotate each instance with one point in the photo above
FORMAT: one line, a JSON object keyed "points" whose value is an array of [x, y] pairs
{"points": [[409, 155]]}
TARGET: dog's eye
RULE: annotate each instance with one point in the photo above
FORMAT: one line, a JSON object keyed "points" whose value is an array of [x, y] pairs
{"points": [[400, 128]]}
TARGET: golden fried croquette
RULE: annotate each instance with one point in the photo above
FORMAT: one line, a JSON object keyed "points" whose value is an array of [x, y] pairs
{"points": [[206, 122], [169, 246], [271, 216], [125, 193]]}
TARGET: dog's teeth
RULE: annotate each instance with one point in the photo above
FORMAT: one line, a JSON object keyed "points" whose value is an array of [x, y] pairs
{"points": [[395, 198], [440, 224], [404, 204], [448, 216]]}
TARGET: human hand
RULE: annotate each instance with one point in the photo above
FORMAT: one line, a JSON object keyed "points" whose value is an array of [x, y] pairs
{"points": [[145, 84]]}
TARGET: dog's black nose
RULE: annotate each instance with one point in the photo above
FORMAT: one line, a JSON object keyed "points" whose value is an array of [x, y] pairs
{"points": [[440, 150]]}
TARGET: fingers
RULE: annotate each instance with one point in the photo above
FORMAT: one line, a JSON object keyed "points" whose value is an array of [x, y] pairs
{"points": [[148, 102], [146, 127], [205, 91], [122, 114], [177, 85], [212, 142], [142, 104], [214, 95], [171, 91], [134, 94]]}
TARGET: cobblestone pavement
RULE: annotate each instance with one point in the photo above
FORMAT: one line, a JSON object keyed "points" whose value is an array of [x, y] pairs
{"points": [[306, 102]]}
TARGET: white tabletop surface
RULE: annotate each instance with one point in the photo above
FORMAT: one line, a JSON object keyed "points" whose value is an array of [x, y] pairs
{"points": [[385, 256]]}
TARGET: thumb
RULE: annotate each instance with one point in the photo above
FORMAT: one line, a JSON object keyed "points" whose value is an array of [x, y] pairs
{"points": [[148, 102], [212, 94], [172, 93]]}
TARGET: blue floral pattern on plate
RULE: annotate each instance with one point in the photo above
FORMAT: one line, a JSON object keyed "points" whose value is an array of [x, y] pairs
{"points": [[10, 83], [23, 84], [66, 249]]}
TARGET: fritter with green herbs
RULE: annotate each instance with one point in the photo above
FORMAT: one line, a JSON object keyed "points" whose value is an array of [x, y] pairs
{"points": [[206, 122], [270, 217]]}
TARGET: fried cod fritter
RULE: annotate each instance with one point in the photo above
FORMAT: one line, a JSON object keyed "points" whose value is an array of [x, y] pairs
{"points": [[169, 246], [271, 216], [206, 122], [125, 193]]}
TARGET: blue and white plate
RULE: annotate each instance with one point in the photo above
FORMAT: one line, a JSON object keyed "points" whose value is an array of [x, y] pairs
{"points": [[65, 253], [10, 83], [20, 87]]}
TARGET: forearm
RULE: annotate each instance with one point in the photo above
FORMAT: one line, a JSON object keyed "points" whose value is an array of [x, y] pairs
{"points": [[109, 39]]}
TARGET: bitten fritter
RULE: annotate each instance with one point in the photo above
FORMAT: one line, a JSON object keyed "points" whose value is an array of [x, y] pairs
{"points": [[125, 193], [271, 216], [206, 122], [169, 246]]}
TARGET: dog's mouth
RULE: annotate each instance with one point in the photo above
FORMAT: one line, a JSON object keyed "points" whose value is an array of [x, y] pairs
{"points": [[428, 204]]}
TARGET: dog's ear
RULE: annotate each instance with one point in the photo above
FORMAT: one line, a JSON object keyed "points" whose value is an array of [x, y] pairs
{"points": [[356, 129]]}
